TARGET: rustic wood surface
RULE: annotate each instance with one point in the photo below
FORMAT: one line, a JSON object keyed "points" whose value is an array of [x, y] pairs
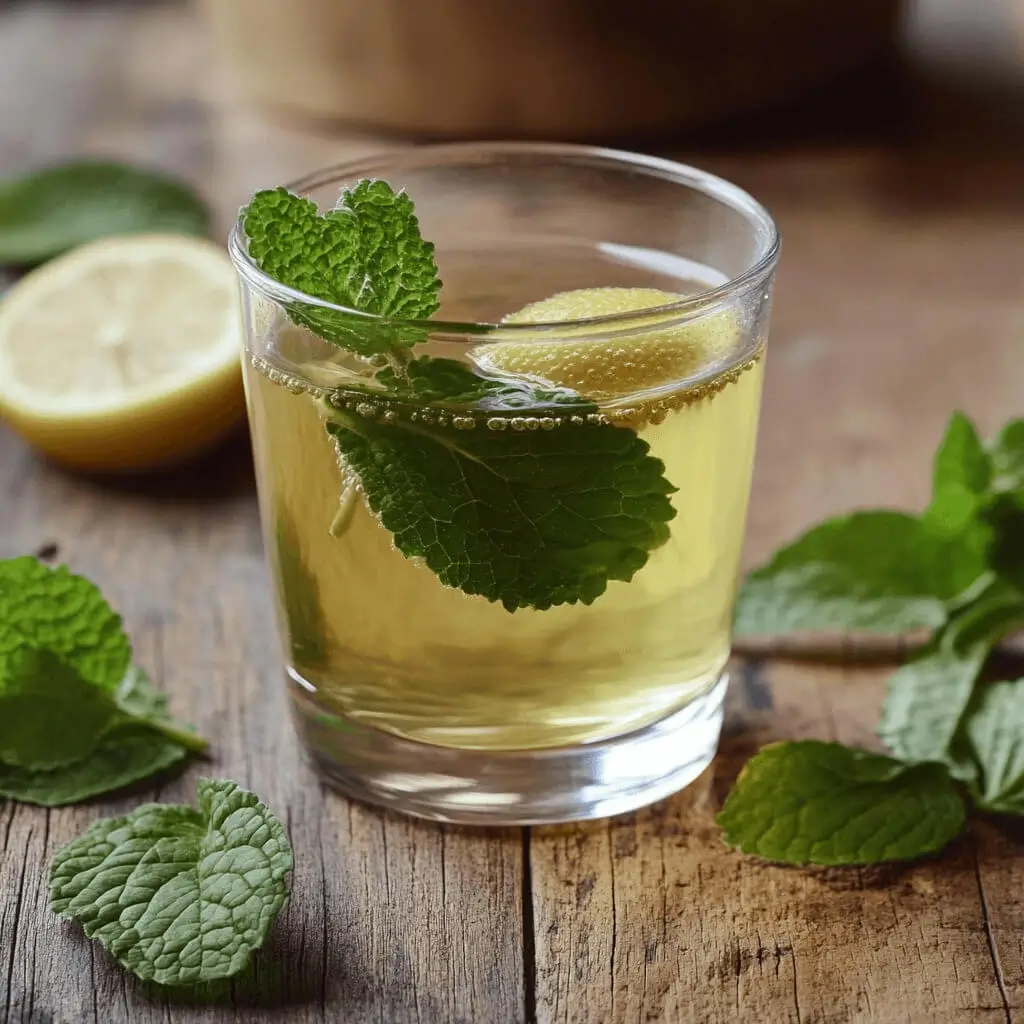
{"points": [[899, 299]]}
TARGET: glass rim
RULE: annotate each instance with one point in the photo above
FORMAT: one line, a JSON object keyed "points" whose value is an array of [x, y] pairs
{"points": [[440, 154]]}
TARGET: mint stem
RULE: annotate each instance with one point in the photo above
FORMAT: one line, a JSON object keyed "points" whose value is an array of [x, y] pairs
{"points": [[181, 735]]}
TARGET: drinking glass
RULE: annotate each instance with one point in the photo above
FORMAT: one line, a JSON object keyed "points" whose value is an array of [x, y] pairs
{"points": [[424, 690]]}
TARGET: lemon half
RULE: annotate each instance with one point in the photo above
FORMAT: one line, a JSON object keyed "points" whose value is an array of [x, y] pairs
{"points": [[124, 353], [604, 369]]}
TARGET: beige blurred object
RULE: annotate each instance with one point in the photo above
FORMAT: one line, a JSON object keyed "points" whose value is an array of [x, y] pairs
{"points": [[541, 68]]}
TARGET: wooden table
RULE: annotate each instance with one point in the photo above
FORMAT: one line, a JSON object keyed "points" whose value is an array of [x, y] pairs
{"points": [[899, 299]]}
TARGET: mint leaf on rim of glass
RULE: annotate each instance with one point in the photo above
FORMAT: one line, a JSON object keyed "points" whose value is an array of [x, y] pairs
{"points": [[178, 895], [811, 802], [366, 255], [49, 211]]}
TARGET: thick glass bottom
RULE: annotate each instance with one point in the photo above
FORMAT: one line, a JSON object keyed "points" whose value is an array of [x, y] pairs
{"points": [[512, 787]]}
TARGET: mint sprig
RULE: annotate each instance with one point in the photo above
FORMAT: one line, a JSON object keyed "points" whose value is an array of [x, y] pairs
{"points": [[76, 719], [958, 570], [546, 511], [366, 255], [178, 895]]}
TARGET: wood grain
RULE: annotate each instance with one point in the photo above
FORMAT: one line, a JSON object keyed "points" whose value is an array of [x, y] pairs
{"points": [[899, 299]]}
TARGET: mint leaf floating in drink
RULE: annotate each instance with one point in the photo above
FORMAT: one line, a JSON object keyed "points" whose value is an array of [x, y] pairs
{"points": [[528, 517], [75, 719], [366, 255], [178, 895], [822, 803], [57, 208]]}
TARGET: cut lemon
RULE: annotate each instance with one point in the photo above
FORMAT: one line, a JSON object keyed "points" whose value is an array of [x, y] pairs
{"points": [[124, 353], [603, 369]]}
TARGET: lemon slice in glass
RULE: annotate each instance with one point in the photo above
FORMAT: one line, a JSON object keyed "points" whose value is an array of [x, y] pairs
{"points": [[612, 368], [124, 353]]}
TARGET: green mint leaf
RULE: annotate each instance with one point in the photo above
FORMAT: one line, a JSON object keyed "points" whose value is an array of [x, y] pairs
{"points": [[993, 728], [137, 699], [823, 803], [1007, 452], [528, 517], [961, 478], [52, 210], [366, 255], [928, 696], [178, 896], [54, 610], [49, 715], [962, 460], [880, 571], [125, 754]]}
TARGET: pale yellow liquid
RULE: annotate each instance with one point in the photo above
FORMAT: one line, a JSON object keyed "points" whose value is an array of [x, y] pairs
{"points": [[376, 637]]}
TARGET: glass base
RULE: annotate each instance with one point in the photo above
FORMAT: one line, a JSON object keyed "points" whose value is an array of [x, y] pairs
{"points": [[513, 787]]}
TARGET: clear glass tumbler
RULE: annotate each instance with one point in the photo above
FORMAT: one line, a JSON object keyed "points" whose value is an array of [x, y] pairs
{"points": [[523, 614]]}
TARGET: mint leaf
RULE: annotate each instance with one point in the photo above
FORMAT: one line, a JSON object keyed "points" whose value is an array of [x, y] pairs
{"points": [[178, 896], [823, 803], [49, 715], [54, 610], [1007, 453], [530, 518], [927, 697], [366, 255], [994, 731], [879, 571], [55, 209], [125, 754], [961, 478], [448, 383]]}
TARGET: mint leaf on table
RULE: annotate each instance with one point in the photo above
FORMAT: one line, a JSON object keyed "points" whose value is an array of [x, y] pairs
{"points": [[993, 735], [811, 802], [177, 895], [65, 614], [54, 209], [125, 754], [880, 571], [49, 715], [76, 719], [928, 695], [530, 518], [366, 255]]}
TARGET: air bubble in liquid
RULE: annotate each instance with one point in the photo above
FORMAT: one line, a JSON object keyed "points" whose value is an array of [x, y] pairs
{"points": [[497, 423]]}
